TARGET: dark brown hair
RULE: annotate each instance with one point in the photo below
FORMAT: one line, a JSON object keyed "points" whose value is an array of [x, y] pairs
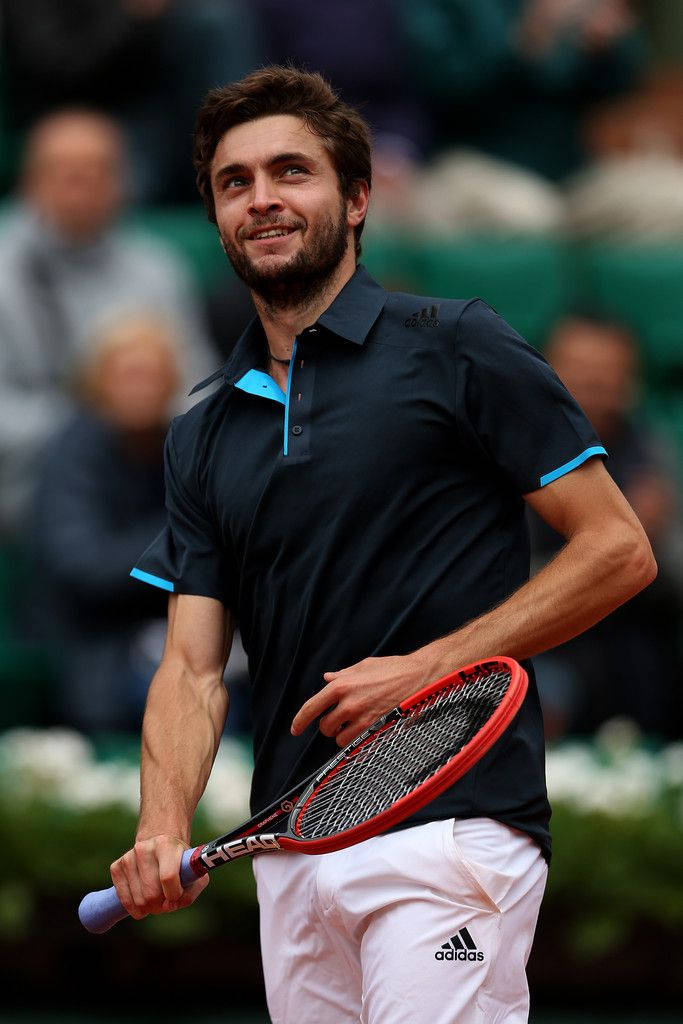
{"points": [[285, 90]]}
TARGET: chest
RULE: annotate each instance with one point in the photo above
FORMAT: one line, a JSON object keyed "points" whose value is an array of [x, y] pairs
{"points": [[345, 435]]}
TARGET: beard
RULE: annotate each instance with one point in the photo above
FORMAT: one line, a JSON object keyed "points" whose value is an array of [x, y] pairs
{"points": [[304, 276]]}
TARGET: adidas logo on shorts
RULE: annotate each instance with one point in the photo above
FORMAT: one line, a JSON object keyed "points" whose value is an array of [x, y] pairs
{"points": [[423, 318], [460, 946]]}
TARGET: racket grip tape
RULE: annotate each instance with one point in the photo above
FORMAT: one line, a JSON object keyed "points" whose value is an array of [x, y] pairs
{"points": [[100, 911]]}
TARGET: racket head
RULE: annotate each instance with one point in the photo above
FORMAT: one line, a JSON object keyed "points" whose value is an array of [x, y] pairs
{"points": [[499, 682]]}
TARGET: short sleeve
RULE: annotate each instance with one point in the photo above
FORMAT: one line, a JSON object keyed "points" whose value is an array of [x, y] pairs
{"points": [[512, 410], [187, 556]]}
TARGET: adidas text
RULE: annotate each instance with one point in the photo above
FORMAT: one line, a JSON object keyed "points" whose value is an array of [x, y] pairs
{"points": [[458, 954], [460, 946]]}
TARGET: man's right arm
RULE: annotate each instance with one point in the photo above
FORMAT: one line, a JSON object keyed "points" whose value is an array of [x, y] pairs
{"points": [[186, 708]]}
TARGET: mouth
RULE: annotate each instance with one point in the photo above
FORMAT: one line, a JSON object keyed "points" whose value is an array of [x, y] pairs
{"points": [[269, 233]]}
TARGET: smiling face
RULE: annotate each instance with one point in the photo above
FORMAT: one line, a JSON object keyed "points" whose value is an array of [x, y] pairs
{"points": [[283, 222]]}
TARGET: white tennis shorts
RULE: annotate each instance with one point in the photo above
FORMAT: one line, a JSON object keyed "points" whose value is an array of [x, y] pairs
{"points": [[430, 925]]}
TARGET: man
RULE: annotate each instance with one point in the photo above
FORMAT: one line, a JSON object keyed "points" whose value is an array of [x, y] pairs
{"points": [[99, 496], [353, 493], [627, 664], [64, 270]]}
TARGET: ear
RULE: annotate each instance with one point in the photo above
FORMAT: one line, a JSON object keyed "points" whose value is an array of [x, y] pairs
{"points": [[357, 204]]}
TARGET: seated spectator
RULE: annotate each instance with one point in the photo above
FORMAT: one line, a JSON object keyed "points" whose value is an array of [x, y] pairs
{"points": [[629, 663], [64, 268], [100, 497], [136, 59]]}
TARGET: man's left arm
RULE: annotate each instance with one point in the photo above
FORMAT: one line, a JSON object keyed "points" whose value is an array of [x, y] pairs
{"points": [[607, 560]]}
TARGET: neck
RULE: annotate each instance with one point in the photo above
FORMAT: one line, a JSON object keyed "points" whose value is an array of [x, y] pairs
{"points": [[281, 324]]}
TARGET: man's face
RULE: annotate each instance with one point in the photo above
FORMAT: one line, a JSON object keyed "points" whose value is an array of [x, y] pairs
{"points": [[597, 365], [281, 218], [74, 175]]}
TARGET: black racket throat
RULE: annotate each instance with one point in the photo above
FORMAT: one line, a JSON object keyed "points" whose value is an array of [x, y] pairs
{"points": [[261, 833]]}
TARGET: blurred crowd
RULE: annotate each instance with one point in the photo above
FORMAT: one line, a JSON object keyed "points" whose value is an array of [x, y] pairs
{"points": [[507, 118]]}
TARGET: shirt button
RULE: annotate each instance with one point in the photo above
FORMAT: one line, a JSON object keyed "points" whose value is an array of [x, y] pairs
{"points": [[297, 430]]}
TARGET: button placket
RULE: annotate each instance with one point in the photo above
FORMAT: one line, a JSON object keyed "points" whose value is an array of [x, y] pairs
{"points": [[300, 399]]}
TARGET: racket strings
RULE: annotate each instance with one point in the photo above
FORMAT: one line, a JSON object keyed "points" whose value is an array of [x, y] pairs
{"points": [[400, 757]]}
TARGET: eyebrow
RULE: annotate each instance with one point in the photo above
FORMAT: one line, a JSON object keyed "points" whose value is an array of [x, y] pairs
{"points": [[279, 158]]}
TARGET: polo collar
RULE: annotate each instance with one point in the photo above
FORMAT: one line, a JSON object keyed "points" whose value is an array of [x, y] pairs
{"points": [[351, 316], [354, 311]]}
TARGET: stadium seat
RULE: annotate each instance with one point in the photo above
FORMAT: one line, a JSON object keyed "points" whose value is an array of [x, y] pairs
{"points": [[527, 280]]}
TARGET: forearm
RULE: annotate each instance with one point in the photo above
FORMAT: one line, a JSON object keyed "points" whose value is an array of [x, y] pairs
{"points": [[590, 577], [182, 727]]}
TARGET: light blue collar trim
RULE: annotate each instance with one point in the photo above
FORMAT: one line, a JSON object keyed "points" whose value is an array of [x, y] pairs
{"points": [[568, 466], [256, 382]]}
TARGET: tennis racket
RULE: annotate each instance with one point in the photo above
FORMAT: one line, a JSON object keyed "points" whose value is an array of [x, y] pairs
{"points": [[402, 761]]}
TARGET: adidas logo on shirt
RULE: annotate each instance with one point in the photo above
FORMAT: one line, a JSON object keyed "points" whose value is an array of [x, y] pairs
{"points": [[459, 947], [423, 318]]}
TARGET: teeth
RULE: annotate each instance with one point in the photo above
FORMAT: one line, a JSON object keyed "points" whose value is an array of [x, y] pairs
{"points": [[273, 233]]}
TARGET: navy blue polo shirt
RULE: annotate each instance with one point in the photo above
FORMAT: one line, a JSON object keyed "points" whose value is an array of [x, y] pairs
{"points": [[373, 507]]}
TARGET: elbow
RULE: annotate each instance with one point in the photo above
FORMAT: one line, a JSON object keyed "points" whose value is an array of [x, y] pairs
{"points": [[638, 566]]}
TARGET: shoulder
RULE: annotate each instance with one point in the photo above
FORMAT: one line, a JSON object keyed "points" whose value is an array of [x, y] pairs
{"points": [[425, 311], [192, 433], [467, 325]]}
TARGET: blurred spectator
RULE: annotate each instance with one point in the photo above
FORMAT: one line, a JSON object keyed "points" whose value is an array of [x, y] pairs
{"points": [[64, 268], [99, 500], [636, 198], [465, 193], [147, 62], [628, 664], [513, 78]]}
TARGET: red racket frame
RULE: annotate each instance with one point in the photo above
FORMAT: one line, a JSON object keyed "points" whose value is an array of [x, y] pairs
{"points": [[441, 780]]}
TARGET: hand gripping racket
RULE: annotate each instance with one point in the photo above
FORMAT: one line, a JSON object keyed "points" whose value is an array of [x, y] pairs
{"points": [[405, 759]]}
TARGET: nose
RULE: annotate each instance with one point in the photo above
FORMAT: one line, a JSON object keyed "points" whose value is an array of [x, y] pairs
{"points": [[264, 196]]}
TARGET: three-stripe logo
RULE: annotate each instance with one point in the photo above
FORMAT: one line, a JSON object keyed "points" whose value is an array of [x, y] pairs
{"points": [[424, 318], [460, 946]]}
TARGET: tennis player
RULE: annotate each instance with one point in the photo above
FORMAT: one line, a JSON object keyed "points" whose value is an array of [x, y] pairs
{"points": [[354, 493]]}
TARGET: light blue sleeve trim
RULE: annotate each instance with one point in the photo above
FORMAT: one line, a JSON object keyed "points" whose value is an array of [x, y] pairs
{"points": [[261, 384], [156, 581], [285, 446], [569, 466]]}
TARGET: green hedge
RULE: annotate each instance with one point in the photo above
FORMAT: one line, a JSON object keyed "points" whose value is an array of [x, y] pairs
{"points": [[617, 831]]}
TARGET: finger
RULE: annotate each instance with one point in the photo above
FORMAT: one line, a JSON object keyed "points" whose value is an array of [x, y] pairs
{"points": [[350, 730], [338, 717], [169, 856], [129, 883], [311, 709], [123, 892], [147, 862], [191, 893]]}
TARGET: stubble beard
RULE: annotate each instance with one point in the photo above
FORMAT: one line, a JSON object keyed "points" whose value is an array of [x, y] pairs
{"points": [[304, 276]]}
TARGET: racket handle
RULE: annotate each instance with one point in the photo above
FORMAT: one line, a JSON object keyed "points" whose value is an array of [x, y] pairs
{"points": [[100, 911]]}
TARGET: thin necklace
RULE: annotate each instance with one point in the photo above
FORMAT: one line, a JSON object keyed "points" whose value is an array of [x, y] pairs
{"points": [[275, 359]]}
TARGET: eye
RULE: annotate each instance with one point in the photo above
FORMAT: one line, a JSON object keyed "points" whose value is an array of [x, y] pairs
{"points": [[235, 182], [294, 169]]}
